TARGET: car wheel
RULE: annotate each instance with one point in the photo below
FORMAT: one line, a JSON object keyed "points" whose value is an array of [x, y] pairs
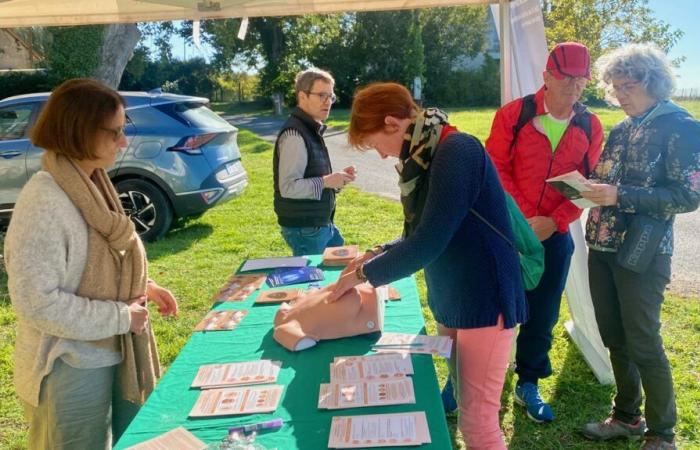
{"points": [[147, 207]]}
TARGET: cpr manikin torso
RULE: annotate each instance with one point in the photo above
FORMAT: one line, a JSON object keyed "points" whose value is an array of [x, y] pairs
{"points": [[311, 318]]}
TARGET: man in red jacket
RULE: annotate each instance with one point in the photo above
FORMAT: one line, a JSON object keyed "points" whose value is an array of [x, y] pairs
{"points": [[532, 139]]}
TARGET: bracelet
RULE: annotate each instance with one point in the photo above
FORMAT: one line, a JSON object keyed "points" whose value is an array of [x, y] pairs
{"points": [[376, 250], [360, 273]]}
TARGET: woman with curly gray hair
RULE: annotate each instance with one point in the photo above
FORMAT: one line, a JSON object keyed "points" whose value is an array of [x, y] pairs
{"points": [[649, 172]]}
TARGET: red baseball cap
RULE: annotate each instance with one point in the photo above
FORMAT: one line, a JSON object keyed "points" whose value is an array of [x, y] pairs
{"points": [[569, 59]]}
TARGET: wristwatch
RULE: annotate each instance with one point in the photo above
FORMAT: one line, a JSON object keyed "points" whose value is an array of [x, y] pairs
{"points": [[360, 273]]}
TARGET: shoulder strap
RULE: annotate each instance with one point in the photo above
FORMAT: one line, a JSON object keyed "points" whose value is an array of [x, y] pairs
{"points": [[582, 120], [490, 225], [528, 110]]}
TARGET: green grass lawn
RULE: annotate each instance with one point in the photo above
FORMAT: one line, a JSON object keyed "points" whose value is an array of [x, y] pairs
{"points": [[194, 260]]}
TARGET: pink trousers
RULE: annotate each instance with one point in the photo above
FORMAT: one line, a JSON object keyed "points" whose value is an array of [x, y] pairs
{"points": [[478, 369]]}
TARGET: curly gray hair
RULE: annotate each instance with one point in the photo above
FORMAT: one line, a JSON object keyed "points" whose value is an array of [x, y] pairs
{"points": [[643, 63], [305, 79]]}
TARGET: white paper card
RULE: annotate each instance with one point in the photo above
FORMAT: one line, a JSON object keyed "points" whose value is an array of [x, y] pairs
{"points": [[414, 343], [379, 430], [273, 263], [233, 401], [366, 393], [178, 438], [371, 367], [237, 374]]}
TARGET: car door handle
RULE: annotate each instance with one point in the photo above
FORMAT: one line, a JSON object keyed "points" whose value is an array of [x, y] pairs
{"points": [[10, 154]]}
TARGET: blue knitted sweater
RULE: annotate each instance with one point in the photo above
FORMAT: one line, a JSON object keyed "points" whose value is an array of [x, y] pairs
{"points": [[472, 274]]}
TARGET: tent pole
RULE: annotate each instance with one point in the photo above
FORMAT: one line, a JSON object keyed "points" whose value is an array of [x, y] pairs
{"points": [[506, 51]]}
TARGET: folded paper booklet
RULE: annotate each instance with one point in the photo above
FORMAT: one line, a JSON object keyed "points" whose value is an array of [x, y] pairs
{"points": [[179, 439], [239, 287], [340, 256], [283, 277], [570, 185], [414, 343], [274, 263], [371, 367], [221, 320], [235, 401], [366, 393], [379, 430], [236, 374], [279, 295]]}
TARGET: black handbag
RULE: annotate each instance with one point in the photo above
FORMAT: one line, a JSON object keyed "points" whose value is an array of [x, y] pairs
{"points": [[642, 239]]}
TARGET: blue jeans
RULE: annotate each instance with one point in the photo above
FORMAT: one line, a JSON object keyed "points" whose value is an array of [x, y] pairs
{"points": [[312, 240], [535, 336]]}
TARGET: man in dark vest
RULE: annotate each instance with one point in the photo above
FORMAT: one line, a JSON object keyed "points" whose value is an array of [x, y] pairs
{"points": [[305, 184]]}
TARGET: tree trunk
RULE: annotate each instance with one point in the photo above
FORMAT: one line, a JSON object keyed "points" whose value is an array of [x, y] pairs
{"points": [[119, 42]]}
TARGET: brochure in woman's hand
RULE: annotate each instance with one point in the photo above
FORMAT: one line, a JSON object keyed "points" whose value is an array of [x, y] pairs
{"points": [[570, 185]]}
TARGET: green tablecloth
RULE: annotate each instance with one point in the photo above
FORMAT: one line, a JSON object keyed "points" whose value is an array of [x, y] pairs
{"points": [[306, 427]]}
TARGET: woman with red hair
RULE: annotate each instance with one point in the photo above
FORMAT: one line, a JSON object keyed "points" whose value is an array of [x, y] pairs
{"points": [[453, 202]]}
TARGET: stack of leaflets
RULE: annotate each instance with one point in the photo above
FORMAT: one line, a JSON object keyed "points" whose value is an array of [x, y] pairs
{"points": [[179, 438], [221, 320], [239, 400], [237, 374], [274, 263], [283, 277], [340, 256], [379, 430], [414, 343], [570, 185], [279, 295], [238, 287], [374, 380]]}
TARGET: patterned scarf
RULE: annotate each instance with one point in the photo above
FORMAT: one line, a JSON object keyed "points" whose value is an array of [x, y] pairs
{"points": [[420, 141], [116, 268]]}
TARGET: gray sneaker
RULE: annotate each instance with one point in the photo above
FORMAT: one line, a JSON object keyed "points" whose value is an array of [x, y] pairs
{"points": [[656, 443], [612, 428]]}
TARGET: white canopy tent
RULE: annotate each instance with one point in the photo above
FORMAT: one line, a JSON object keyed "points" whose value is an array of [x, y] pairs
{"points": [[519, 22]]}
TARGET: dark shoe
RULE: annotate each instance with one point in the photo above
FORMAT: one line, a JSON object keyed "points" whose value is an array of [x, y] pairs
{"points": [[612, 428], [656, 443], [528, 395], [448, 397]]}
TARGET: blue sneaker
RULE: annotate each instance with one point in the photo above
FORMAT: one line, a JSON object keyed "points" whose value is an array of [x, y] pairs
{"points": [[527, 395], [448, 397]]}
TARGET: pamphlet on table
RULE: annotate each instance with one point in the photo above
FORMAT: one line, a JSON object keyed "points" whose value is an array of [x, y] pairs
{"points": [[274, 263], [238, 287], [366, 393], [371, 367], [379, 430], [239, 400], [221, 320], [414, 343], [237, 374], [340, 256], [179, 439], [279, 295]]}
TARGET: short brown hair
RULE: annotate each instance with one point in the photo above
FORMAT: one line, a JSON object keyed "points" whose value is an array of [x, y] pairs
{"points": [[73, 116], [305, 79], [372, 104]]}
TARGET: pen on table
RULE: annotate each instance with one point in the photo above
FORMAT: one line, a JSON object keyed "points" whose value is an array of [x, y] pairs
{"points": [[267, 425]]}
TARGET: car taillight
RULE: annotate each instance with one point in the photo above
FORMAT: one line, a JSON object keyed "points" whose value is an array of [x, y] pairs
{"points": [[192, 145]]}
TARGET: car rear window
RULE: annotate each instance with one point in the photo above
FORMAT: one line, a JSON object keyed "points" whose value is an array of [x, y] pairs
{"points": [[192, 114]]}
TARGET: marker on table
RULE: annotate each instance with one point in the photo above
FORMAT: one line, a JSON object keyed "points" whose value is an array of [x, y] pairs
{"points": [[267, 425]]}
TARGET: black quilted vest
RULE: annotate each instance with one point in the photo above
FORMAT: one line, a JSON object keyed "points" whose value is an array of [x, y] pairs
{"points": [[301, 212]]}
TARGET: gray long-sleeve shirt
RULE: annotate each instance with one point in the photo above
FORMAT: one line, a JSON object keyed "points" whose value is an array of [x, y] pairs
{"points": [[292, 165]]}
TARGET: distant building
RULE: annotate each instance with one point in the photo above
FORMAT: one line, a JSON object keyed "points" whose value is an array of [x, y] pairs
{"points": [[492, 48], [15, 52]]}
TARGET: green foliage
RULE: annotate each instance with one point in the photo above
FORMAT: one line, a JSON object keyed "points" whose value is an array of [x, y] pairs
{"points": [[605, 24], [191, 77], [15, 83], [470, 87], [74, 52]]}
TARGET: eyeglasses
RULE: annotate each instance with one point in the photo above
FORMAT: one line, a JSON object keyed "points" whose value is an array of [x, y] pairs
{"points": [[117, 133], [324, 96], [624, 88]]}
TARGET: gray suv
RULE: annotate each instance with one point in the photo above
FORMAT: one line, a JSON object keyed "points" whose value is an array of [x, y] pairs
{"points": [[182, 158]]}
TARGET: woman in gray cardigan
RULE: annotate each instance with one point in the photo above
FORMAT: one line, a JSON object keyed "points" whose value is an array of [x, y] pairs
{"points": [[78, 280]]}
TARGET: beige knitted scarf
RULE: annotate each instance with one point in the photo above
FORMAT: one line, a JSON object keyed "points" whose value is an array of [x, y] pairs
{"points": [[116, 267]]}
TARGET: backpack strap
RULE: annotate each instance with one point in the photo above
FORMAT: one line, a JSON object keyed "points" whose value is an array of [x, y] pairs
{"points": [[581, 119]]}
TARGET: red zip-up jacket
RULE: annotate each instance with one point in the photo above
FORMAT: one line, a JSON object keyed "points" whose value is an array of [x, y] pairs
{"points": [[524, 168]]}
